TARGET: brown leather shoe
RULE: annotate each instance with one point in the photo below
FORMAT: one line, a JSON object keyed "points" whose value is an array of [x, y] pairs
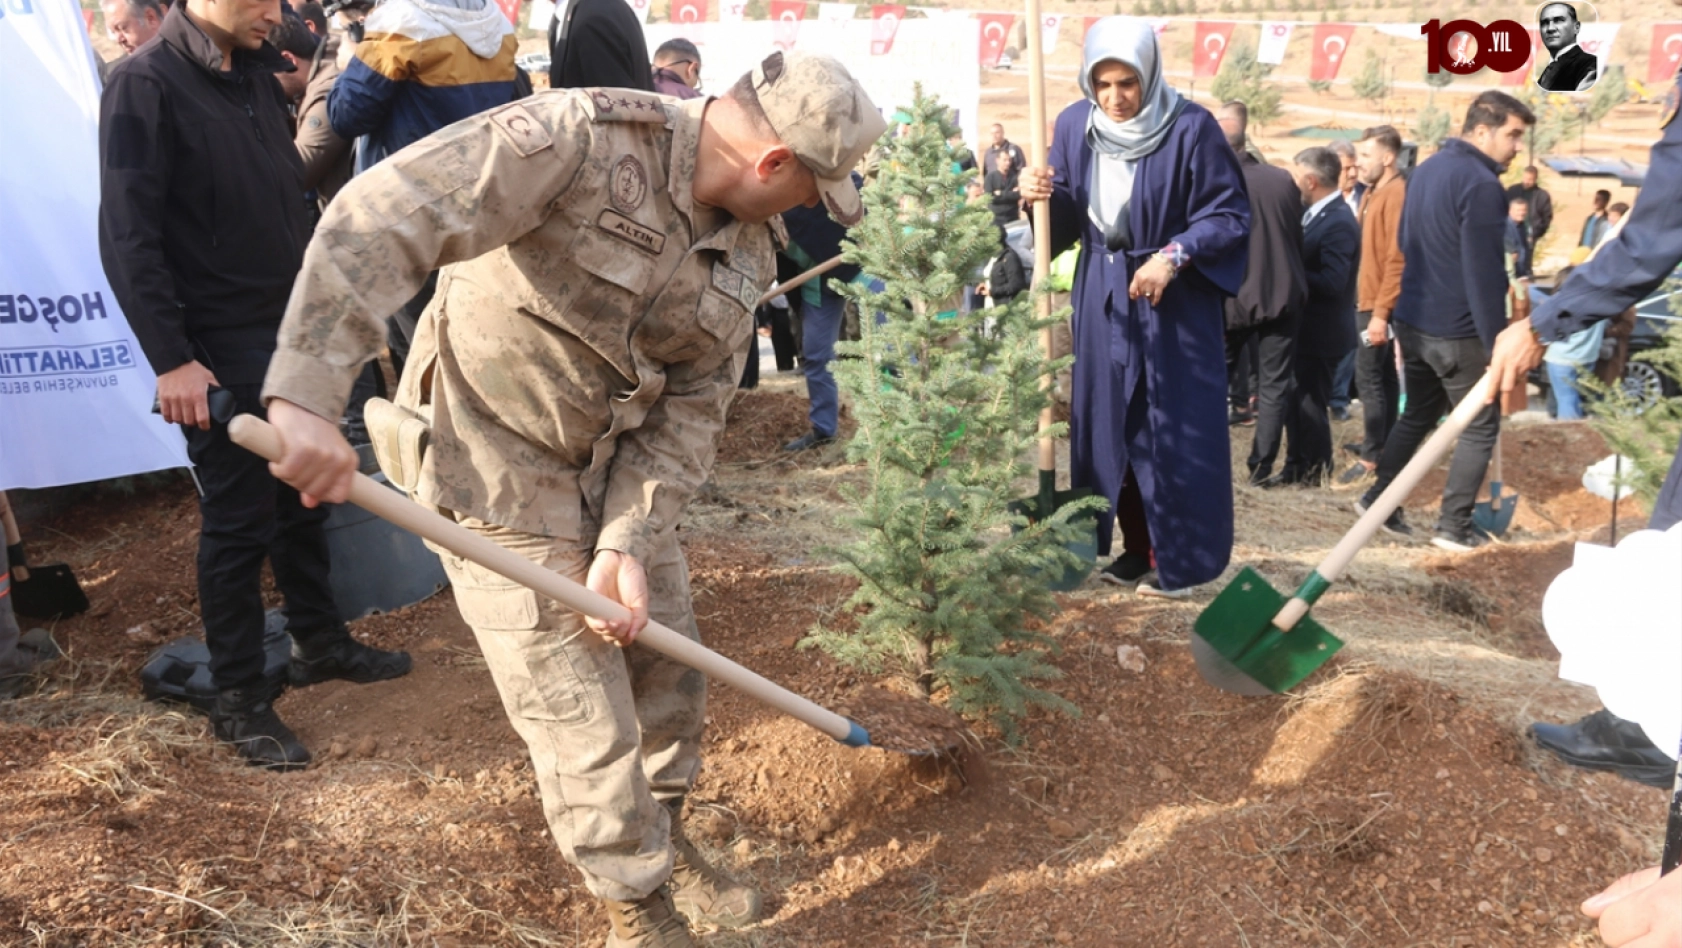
{"points": [[650, 922], [708, 898]]}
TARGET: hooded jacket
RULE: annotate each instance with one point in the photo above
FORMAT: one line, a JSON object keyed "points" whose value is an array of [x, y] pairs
{"points": [[422, 65], [202, 219]]}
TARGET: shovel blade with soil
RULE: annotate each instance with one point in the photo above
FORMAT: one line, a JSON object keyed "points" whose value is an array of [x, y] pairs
{"points": [[930, 731], [1495, 515], [1252, 640]]}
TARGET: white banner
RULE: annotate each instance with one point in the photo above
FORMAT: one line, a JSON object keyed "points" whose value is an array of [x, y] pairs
{"points": [[837, 12], [542, 11], [731, 11], [75, 389], [1595, 39], [1050, 23], [942, 55], [640, 7], [1274, 37]]}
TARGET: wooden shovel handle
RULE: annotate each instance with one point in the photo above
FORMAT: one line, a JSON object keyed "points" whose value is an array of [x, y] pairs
{"points": [[1432, 451], [1041, 217], [800, 280], [261, 438]]}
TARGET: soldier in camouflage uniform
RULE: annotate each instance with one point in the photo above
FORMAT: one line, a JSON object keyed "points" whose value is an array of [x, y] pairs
{"points": [[603, 250]]}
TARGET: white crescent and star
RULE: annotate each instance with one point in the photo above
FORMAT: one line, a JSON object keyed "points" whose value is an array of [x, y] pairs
{"points": [[993, 31], [1672, 38], [1214, 43], [1332, 54]]}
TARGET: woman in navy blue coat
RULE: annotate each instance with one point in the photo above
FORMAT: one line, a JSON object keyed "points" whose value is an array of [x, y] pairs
{"points": [[1146, 181]]}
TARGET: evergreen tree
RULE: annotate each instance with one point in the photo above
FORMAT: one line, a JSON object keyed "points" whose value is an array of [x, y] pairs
{"points": [[1157, 8], [1432, 123], [1370, 83], [1441, 79], [1320, 86], [1244, 79], [1138, 8], [1642, 430], [1557, 122], [755, 10], [1173, 8], [947, 404], [1611, 91]]}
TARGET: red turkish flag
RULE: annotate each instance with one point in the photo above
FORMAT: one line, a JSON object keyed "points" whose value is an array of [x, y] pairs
{"points": [[1331, 41], [689, 11], [1209, 48], [1519, 77], [785, 21], [885, 19], [87, 15], [995, 29], [510, 9], [1666, 54], [1086, 24]]}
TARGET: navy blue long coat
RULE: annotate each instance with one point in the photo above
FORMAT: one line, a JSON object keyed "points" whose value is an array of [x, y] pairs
{"points": [[1150, 381]]}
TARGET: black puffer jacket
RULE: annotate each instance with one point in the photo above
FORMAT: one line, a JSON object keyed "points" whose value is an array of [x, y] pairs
{"points": [[202, 219]]}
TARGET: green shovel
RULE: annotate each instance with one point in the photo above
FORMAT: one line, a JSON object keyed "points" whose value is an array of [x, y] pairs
{"points": [[1252, 640]]}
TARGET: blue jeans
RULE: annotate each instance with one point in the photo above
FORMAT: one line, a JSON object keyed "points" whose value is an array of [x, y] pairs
{"points": [[820, 327], [1563, 380], [1342, 378]]}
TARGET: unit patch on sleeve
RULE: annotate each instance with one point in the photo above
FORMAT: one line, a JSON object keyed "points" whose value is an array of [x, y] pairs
{"points": [[525, 133]]}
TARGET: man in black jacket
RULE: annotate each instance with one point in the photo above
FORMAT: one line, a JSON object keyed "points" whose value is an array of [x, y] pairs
{"points": [[1269, 304], [201, 230], [1453, 303], [1331, 241], [1540, 215]]}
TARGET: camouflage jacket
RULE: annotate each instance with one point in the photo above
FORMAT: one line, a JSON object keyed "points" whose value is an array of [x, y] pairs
{"points": [[590, 322]]}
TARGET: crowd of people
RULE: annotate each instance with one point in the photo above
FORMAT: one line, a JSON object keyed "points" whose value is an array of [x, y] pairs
{"points": [[567, 285]]}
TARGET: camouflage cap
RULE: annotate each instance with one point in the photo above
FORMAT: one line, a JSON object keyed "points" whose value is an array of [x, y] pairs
{"points": [[823, 114]]}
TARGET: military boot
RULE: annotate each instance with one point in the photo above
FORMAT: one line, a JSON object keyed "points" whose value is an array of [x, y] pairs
{"points": [[650, 922], [708, 898], [245, 718]]}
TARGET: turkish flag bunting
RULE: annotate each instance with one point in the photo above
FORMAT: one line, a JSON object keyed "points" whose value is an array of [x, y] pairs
{"points": [[1086, 24], [1666, 54], [995, 29], [1331, 40], [1519, 77], [785, 21], [1050, 25], [640, 8], [1209, 49], [510, 9], [731, 11], [885, 19], [689, 11]]}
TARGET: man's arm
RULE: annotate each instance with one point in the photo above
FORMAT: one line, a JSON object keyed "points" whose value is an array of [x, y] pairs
{"points": [[362, 98], [1541, 213], [1391, 261], [1337, 260], [319, 146], [659, 465], [136, 154], [459, 193], [1483, 224]]}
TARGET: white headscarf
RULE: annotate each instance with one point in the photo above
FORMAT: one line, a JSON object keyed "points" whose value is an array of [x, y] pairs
{"points": [[1119, 145]]}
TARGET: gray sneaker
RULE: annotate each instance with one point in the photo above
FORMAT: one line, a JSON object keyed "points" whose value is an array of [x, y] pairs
{"points": [[1393, 524], [1459, 541]]}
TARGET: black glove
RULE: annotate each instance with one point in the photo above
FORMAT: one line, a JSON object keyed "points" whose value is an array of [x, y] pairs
{"points": [[14, 555]]}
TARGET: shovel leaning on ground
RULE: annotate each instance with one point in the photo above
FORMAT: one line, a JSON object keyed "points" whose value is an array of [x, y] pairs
{"points": [[1252, 640], [1495, 515], [1048, 500], [261, 438]]}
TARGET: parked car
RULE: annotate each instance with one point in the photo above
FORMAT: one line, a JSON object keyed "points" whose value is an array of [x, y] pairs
{"points": [[1654, 316], [533, 63]]}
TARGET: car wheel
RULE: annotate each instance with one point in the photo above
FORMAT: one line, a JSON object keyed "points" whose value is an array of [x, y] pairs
{"points": [[1643, 384]]}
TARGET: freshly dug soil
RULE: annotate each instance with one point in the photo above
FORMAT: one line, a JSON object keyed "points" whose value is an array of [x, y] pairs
{"points": [[905, 724]]}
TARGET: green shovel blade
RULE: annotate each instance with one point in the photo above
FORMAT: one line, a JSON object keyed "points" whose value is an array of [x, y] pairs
{"points": [[1242, 646]]}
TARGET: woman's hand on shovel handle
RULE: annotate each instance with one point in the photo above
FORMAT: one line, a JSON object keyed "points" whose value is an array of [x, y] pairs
{"points": [[619, 577], [1034, 184], [319, 462]]}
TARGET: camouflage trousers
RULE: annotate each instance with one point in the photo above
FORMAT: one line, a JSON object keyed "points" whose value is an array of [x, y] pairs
{"points": [[614, 734]]}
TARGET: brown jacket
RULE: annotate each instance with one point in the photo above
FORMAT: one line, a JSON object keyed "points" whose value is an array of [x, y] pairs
{"points": [[590, 323], [327, 157], [1380, 281]]}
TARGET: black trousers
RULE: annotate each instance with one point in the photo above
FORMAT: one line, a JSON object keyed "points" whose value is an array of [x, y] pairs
{"points": [[1379, 389], [1309, 426], [1276, 342], [1439, 373], [248, 516]]}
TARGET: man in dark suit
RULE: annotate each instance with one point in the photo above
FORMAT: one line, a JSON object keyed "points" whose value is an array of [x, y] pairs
{"points": [[1331, 245], [1572, 69], [1269, 302]]}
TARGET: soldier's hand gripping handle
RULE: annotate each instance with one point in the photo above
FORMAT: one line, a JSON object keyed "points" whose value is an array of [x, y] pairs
{"points": [[314, 457]]}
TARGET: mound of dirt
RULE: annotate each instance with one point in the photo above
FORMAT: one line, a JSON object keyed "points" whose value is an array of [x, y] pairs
{"points": [[761, 422], [1502, 586]]}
